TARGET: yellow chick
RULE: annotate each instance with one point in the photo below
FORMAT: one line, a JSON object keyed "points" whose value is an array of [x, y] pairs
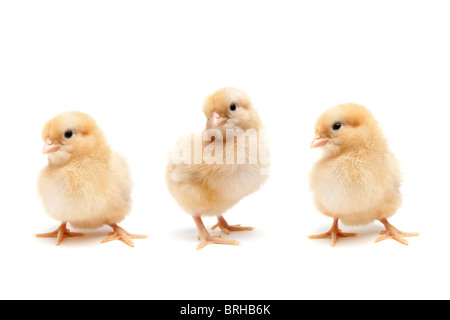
{"points": [[211, 184], [85, 183], [358, 178]]}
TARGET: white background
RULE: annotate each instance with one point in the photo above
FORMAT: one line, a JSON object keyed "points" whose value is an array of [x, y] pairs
{"points": [[142, 70]]}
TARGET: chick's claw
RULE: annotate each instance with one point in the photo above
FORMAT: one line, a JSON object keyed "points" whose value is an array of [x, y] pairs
{"points": [[334, 233], [226, 228], [393, 233], [122, 235], [60, 233], [208, 239], [205, 238]]}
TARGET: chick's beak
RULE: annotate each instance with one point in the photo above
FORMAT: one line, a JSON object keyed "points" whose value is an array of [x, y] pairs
{"points": [[319, 141], [50, 147], [217, 120]]}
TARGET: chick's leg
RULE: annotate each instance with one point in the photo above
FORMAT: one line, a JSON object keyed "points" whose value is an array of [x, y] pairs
{"points": [[206, 238], [334, 233], [393, 233], [60, 233], [226, 228], [122, 235]]}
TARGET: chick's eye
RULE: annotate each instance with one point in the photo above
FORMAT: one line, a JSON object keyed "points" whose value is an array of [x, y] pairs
{"points": [[233, 107], [68, 134], [337, 126]]}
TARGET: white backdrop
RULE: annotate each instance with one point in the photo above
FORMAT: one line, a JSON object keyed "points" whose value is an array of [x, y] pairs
{"points": [[142, 70]]}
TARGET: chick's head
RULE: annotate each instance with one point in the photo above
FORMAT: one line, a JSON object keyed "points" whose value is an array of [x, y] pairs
{"points": [[344, 127], [70, 135], [230, 108]]}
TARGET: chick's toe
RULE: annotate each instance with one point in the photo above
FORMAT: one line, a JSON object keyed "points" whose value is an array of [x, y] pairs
{"points": [[122, 235], [209, 239], [334, 233], [205, 238], [226, 228], [60, 233], [392, 232]]}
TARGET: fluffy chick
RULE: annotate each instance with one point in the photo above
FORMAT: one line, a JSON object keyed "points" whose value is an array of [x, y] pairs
{"points": [[84, 183], [210, 188], [358, 178]]}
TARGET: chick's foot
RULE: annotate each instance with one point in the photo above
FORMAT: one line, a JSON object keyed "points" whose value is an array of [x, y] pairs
{"points": [[122, 235], [60, 233], [205, 238], [209, 239], [393, 233], [334, 233], [226, 228]]}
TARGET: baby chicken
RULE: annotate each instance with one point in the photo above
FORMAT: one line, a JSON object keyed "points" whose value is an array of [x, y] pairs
{"points": [[209, 188], [84, 183], [358, 178]]}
